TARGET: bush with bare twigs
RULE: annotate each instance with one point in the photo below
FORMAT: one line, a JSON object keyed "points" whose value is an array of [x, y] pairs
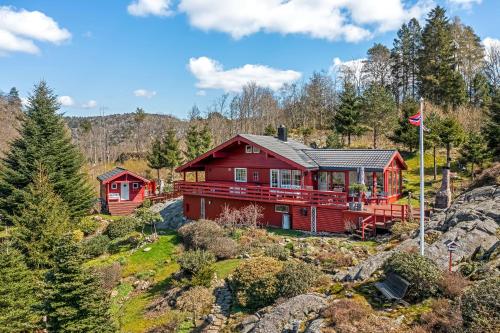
{"points": [[444, 317], [453, 284], [249, 216], [197, 301], [480, 306]]}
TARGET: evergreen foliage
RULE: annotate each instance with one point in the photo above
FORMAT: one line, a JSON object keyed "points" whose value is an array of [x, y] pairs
{"points": [[155, 157], [492, 127], [333, 141], [474, 151], [270, 130], [347, 118], [171, 151], [18, 302], [405, 133], [40, 220], [44, 138], [197, 141], [450, 134], [76, 300]]}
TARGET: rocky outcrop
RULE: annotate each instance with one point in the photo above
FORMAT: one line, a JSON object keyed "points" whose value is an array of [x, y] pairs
{"points": [[286, 315], [172, 213], [471, 221]]}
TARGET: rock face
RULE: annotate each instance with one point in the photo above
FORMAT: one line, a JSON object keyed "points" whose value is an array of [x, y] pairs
{"points": [[172, 213], [286, 315], [471, 221]]}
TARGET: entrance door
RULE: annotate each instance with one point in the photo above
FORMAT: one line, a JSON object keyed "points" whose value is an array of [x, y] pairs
{"points": [[285, 221], [124, 191], [202, 208]]}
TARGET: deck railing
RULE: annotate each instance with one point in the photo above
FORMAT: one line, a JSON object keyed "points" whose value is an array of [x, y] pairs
{"points": [[262, 193]]}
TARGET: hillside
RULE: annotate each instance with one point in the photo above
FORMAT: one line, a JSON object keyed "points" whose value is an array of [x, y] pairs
{"points": [[9, 118]]}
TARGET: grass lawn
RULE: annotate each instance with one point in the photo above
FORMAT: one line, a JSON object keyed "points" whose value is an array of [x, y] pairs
{"points": [[225, 267], [285, 232]]}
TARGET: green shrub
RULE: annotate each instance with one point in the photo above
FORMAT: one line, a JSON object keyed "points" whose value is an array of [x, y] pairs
{"points": [[127, 242], [422, 274], [122, 227], [96, 246], [88, 225], [203, 277], [297, 278], [194, 261], [200, 234], [255, 282], [223, 248], [277, 251], [481, 306]]}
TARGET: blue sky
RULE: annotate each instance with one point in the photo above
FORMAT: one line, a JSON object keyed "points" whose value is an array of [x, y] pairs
{"points": [[166, 55]]}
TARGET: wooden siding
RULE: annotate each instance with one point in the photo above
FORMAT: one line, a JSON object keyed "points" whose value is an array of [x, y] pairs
{"points": [[299, 221], [329, 220]]}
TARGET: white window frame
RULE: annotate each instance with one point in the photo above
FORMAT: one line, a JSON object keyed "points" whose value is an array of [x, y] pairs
{"points": [[236, 175], [283, 174], [135, 186], [114, 186], [276, 173], [285, 209], [255, 150], [296, 185], [248, 149], [256, 173]]}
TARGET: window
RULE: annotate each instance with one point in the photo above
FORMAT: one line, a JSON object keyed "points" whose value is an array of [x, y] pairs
{"points": [[338, 181], [296, 178], [255, 150], [281, 208], [114, 186], [255, 176], [353, 177], [303, 211], [240, 175], [135, 186], [286, 178], [380, 181], [248, 149], [275, 178]]}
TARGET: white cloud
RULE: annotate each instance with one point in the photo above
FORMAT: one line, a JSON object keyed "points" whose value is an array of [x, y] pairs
{"points": [[25, 102], [211, 75], [90, 104], [66, 100], [201, 93], [144, 93], [20, 28], [350, 20], [466, 4], [489, 42], [150, 7]]}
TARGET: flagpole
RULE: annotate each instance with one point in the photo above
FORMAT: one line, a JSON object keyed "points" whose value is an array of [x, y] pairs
{"points": [[422, 167]]}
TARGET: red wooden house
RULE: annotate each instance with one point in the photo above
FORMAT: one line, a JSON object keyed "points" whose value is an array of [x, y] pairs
{"points": [[298, 187], [122, 191]]}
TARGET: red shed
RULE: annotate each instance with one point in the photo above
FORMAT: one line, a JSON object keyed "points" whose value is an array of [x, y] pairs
{"points": [[122, 191]]}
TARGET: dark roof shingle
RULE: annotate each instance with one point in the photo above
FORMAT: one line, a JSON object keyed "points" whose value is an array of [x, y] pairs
{"points": [[342, 159], [110, 173]]}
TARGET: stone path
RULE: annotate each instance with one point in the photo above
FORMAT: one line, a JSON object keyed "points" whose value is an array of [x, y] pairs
{"points": [[220, 310]]}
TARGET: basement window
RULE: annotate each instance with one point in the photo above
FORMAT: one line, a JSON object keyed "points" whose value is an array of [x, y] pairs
{"points": [[281, 208], [114, 186]]}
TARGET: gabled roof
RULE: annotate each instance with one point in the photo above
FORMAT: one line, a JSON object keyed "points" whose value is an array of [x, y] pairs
{"points": [[352, 159], [291, 150], [117, 172]]}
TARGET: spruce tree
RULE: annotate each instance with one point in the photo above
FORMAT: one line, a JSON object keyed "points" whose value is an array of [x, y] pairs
{"points": [[18, 301], [206, 140], [76, 300], [348, 116], [450, 134], [405, 133], [333, 141], [474, 151], [171, 152], [39, 222], [492, 127], [192, 142], [432, 123], [155, 157], [270, 130], [44, 139]]}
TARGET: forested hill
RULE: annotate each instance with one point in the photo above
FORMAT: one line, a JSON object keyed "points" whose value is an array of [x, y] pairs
{"points": [[10, 111]]}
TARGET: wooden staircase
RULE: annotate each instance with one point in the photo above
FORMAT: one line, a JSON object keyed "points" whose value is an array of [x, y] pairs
{"points": [[122, 208]]}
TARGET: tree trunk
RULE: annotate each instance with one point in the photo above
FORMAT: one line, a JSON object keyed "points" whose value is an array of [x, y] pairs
{"points": [[374, 138], [448, 159], [472, 171], [349, 140], [434, 161]]}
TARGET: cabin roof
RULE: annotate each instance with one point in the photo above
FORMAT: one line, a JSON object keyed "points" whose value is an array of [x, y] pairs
{"points": [[291, 150], [117, 172], [344, 159]]}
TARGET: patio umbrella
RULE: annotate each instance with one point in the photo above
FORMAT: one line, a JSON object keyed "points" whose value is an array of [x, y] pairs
{"points": [[361, 178]]}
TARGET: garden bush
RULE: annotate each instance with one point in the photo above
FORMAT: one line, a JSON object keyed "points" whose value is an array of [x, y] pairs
{"points": [[197, 301], [255, 282], [122, 227], [109, 275], [223, 248], [421, 272], [96, 246], [127, 242], [453, 284], [481, 306], [203, 277], [444, 317], [88, 225], [277, 251], [297, 278], [194, 261], [403, 229], [200, 234]]}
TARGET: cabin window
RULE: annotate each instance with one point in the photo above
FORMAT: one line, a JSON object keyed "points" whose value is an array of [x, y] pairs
{"points": [[338, 181], [114, 186], [255, 150], [380, 181], [255, 176], [296, 179], [135, 186], [240, 175], [353, 177], [275, 178], [281, 208], [286, 178], [248, 149]]}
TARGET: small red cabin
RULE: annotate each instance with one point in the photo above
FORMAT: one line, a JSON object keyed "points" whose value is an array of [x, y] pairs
{"points": [[299, 187], [122, 191]]}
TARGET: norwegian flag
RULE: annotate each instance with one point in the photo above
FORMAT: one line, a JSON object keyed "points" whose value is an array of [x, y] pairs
{"points": [[415, 119]]}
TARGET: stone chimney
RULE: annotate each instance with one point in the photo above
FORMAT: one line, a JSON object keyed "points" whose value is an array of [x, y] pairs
{"points": [[443, 196], [282, 133]]}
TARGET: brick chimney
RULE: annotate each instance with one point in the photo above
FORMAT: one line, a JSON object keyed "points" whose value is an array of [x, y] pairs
{"points": [[282, 133]]}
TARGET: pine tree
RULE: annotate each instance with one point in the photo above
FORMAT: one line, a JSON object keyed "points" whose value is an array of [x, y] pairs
{"points": [[40, 221], [44, 138], [441, 83], [450, 134], [192, 143], [348, 116], [492, 127], [333, 141], [405, 133], [18, 301], [155, 157], [171, 152], [377, 66], [474, 151], [270, 130], [432, 123], [379, 110], [480, 91], [76, 300], [13, 97], [206, 140]]}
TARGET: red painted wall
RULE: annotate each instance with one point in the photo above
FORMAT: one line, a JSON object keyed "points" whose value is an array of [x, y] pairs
{"points": [[299, 221], [329, 220]]}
